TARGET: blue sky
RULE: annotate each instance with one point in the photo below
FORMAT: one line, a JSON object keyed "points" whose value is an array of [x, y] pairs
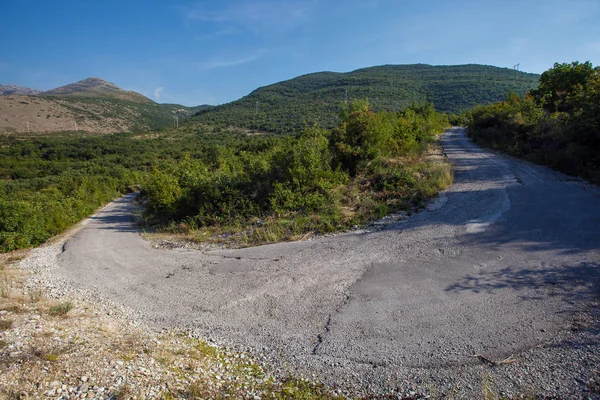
{"points": [[197, 52]]}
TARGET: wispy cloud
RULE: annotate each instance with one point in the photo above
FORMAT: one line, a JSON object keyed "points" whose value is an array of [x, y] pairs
{"points": [[220, 62], [257, 16], [592, 48], [221, 32], [157, 92]]}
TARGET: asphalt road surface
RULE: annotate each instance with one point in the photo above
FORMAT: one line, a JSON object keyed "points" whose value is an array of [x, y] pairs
{"points": [[498, 265]]}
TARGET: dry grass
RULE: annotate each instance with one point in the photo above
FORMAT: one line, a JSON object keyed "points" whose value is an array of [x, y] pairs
{"points": [[60, 309], [5, 284], [5, 324], [35, 294], [40, 353], [59, 116]]}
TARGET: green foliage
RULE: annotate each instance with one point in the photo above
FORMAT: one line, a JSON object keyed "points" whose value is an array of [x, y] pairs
{"points": [[364, 135], [293, 105], [49, 183], [558, 125], [268, 186], [162, 190], [559, 84], [272, 187]]}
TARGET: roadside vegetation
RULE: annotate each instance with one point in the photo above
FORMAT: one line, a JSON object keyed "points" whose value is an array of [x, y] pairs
{"points": [[270, 189], [49, 182], [557, 125]]}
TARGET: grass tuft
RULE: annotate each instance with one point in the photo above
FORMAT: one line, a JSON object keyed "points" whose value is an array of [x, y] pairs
{"points": [[123, 392], [5, 286], [197, 390], [35, 294], [15, 309], [60, 309], [5, 324], [50, 357]]}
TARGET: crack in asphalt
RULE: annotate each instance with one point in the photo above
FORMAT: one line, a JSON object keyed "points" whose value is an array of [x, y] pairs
{"points": [[242, 258], [320, 336]]}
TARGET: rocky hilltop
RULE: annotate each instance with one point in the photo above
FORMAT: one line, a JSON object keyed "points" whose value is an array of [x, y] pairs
{"points": [[91, 105], [15, 89], [96, 87]]}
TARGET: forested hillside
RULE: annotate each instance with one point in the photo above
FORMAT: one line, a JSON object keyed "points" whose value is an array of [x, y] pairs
{"points": [[558, 124], [292, 105]]}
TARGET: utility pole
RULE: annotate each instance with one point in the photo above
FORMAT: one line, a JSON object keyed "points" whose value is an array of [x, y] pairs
{"points": [[176, 122], [28, 128], [516, 68]]}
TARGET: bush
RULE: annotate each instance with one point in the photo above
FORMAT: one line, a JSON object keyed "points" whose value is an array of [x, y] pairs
{"points": [[558, 125]]}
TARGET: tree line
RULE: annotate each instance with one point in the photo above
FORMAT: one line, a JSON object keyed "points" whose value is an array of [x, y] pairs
{"points": [[557, 124]]}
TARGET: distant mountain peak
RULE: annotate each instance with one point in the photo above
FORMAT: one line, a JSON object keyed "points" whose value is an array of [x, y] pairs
{"points": [[6, 90], [92, 84]]}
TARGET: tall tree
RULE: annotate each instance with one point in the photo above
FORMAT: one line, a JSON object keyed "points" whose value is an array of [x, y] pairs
{"points": [[561, 81]]}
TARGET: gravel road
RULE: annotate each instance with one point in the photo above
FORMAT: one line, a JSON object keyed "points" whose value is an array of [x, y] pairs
{"points": [[504, 263]]}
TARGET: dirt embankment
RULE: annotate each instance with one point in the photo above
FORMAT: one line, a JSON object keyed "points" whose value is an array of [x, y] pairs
{"points": [[39, 114]]}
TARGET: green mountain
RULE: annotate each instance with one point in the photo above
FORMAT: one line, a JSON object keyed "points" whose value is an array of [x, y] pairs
{"points": [[315, 98]]}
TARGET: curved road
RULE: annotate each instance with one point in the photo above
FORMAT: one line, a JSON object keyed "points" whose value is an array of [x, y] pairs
{"points": [[499, 264]]}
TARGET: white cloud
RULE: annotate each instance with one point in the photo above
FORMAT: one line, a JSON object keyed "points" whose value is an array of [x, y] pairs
{"points": [[220, 62], [257, 16], [157, 92]]}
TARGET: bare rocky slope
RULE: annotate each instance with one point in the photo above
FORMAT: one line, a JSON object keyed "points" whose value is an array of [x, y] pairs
{"points": [[15, 89], [91, 105]]}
